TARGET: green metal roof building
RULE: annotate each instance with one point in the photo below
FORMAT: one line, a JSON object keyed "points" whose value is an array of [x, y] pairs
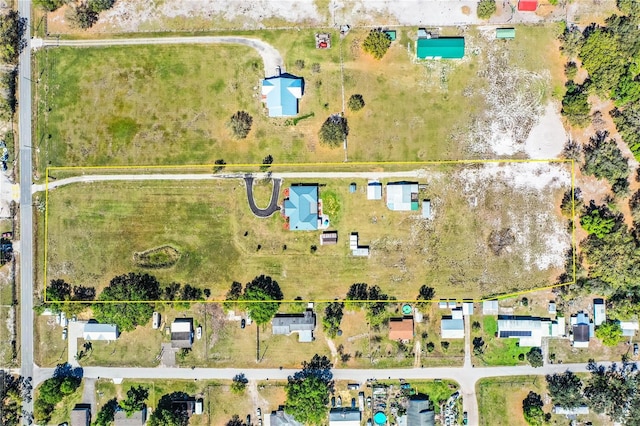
{"points": [[505, 33], [440, 48]]}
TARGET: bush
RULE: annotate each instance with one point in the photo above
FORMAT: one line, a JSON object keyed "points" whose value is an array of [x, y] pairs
{"points": [[315, 67], [356, 102], [100, 5], [334, 130], [597, 223], [604, 160], [570, 70], [299, 64], [49, 5], [534, 356], [240, 124], [486, 8], [376, 44], [82, 16], [609, 332], [219, 165]]}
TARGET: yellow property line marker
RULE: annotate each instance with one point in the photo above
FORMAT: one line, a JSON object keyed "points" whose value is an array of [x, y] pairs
{"points": [[209, 167]]}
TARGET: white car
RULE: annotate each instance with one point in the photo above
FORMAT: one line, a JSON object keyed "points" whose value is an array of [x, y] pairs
{"points": [[64, 334], [259, 412], [199, 332]]}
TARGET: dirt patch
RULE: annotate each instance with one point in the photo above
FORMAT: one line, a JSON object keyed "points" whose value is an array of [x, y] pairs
{"points": [[157, 258], [466, 10]]}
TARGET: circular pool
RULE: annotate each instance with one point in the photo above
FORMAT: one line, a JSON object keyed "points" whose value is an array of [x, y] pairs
{"points": [[380, 418]]}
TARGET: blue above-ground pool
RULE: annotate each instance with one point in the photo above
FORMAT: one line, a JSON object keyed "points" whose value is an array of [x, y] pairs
{"points": [[380, 418]]}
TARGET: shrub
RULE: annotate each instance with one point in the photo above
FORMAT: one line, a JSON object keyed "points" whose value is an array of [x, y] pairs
{"points": [[49, 5], [570, 70], [100, 5], [219, 165], [575, 104], [534, 356], [299, 64], [356, 102], [334, 130], [315, 67], [376, 44], [486, 8], [240, 124]]}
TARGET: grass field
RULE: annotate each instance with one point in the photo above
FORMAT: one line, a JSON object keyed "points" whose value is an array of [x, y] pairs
{"points": [[93, 235], [156, 105], [497, 351]]}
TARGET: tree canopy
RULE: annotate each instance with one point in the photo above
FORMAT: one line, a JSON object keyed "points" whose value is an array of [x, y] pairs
{"points": [[565, 389], [603, 159], [167, 414], [532, 409], [486, 8], [609, 332], [266, 290], [334, 130], [332, 318], [597, 221], [12, 30], [575, 104], [136, 399], [356, 102], [613, 390], [129, 287], [308, 391], [240, 124], [534, 356], [376, 44]]}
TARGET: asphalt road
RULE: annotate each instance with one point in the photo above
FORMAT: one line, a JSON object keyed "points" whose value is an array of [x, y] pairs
{"points": [[26, 212], [270, 56], [273, 203]]}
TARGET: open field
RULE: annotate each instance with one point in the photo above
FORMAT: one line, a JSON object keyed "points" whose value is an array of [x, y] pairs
{"points": [[156, 105], [95, 229]]}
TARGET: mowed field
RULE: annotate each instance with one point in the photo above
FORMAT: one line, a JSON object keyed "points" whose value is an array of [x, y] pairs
{"points": [[94, 230], [148, 105]]}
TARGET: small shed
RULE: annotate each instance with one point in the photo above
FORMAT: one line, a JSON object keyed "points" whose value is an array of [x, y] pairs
{"points": [[329, 238], [490, 307], [426, 209], [552, 308], [599, 312], [352, 187], [467, 308], [505, 33], [527, 5], [391, 34], [374, 190]]}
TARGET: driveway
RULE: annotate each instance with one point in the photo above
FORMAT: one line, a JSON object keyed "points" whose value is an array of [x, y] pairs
{"points": [[270, 56], [273, 205], [75, 329]]}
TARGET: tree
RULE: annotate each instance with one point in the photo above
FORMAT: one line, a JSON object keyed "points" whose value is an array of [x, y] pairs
{"points": [[356, 102], [575, 104], [486, 8], [318, 366], [235, 421], [100, 5], [571, 41], [357, 293], [603, 159], [565, 389], [130, 287], [107, 413], [267, 293], [532, 409], [169, 414], [627, 122], [376, 44], [240, 124], [534, 356], [603, 57], [609, 332], [596, 220], [629, 7], [571, 202], [135, 401], [82, 16], [570, 70], [332, 318], [266, 163], [12, 30], [59, 294], [634, 206], [49, 5], [219, 165], [307, 399], [239, 383], [478, 346], [612, 258], [334, 130], [425, 293], [612, 390]]}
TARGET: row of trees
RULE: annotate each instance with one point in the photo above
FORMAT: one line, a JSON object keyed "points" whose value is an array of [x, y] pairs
{"points": [[12, 390], [83, 14], [261, 298]]}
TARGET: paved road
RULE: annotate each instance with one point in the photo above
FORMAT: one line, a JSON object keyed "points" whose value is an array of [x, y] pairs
{"points": [[207, 176], [273, 204], [270, 56], [26, 212]]}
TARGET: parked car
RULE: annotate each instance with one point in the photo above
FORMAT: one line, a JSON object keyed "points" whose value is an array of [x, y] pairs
{"points": [[353, 403], [353, 386], [243, 323], [635, 349], [199, 332], [339, 402], [368, 402], [64, 333], [333, 401], [259, 412], [369, 422]]}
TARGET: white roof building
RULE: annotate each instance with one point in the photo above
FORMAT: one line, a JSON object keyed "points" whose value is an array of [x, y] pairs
{"points": [[467, 308], [629, 328], [456, 313], [490, 307], [529, 330], [374, 190], [452, 326], [95, 331], [402, 196], [599, 312]]}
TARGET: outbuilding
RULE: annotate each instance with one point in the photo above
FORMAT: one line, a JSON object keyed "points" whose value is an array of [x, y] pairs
{"points": [[527, 5], [374, 190], [93, 331], [440, 48], [505, 33]]}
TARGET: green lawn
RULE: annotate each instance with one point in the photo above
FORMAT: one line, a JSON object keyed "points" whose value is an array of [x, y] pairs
{"points": [[500, 399], [146, 105], [497, 351], [93, 235], [438, 391]]}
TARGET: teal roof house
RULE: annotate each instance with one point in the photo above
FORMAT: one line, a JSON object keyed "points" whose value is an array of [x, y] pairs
{"points": [[440, 48], [281, 94], [302, 208]]}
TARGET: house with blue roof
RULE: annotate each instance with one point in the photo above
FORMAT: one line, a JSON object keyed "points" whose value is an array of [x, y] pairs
{"points": [[281, 94], [301, 208]]}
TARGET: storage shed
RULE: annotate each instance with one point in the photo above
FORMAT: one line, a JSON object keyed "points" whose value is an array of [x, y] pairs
{"points": [[440, 48], [505, 33], [527, 5]]}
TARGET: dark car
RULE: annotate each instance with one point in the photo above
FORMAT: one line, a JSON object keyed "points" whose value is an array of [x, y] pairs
{"points": [[464, 418], [635, 349], [243, 323]]}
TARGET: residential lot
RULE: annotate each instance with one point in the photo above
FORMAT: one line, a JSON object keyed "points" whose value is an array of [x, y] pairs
{"points": [[95, 229], [157, 105]]}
